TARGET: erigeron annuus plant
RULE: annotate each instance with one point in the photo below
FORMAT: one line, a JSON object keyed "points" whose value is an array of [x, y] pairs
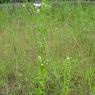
{"points": [[42, 72]]}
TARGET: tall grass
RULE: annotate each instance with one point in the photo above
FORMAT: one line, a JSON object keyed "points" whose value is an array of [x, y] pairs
{"points": [[47, 53]]}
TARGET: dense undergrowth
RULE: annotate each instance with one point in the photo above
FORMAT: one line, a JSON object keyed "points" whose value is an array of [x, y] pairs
{"points": [[47, 53]]}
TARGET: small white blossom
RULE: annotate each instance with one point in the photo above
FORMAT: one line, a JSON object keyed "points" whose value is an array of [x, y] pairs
{"points": [[37, 5], [39, 58]]}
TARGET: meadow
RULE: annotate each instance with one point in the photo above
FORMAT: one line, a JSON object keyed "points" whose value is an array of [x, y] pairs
{"points": [[47, 53]]}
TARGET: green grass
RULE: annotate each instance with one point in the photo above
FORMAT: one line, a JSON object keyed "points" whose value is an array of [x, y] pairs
{"points": [[47, 53]]}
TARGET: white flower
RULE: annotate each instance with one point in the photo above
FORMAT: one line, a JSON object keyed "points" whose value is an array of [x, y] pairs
{"points": [[39, 58], [37, 5]]}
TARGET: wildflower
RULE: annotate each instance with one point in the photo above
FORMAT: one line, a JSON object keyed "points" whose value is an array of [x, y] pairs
{"points": [[37, 5], [39, 58]]}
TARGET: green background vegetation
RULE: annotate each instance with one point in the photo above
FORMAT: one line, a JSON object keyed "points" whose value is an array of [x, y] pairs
{"points": [[20, 1]]}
